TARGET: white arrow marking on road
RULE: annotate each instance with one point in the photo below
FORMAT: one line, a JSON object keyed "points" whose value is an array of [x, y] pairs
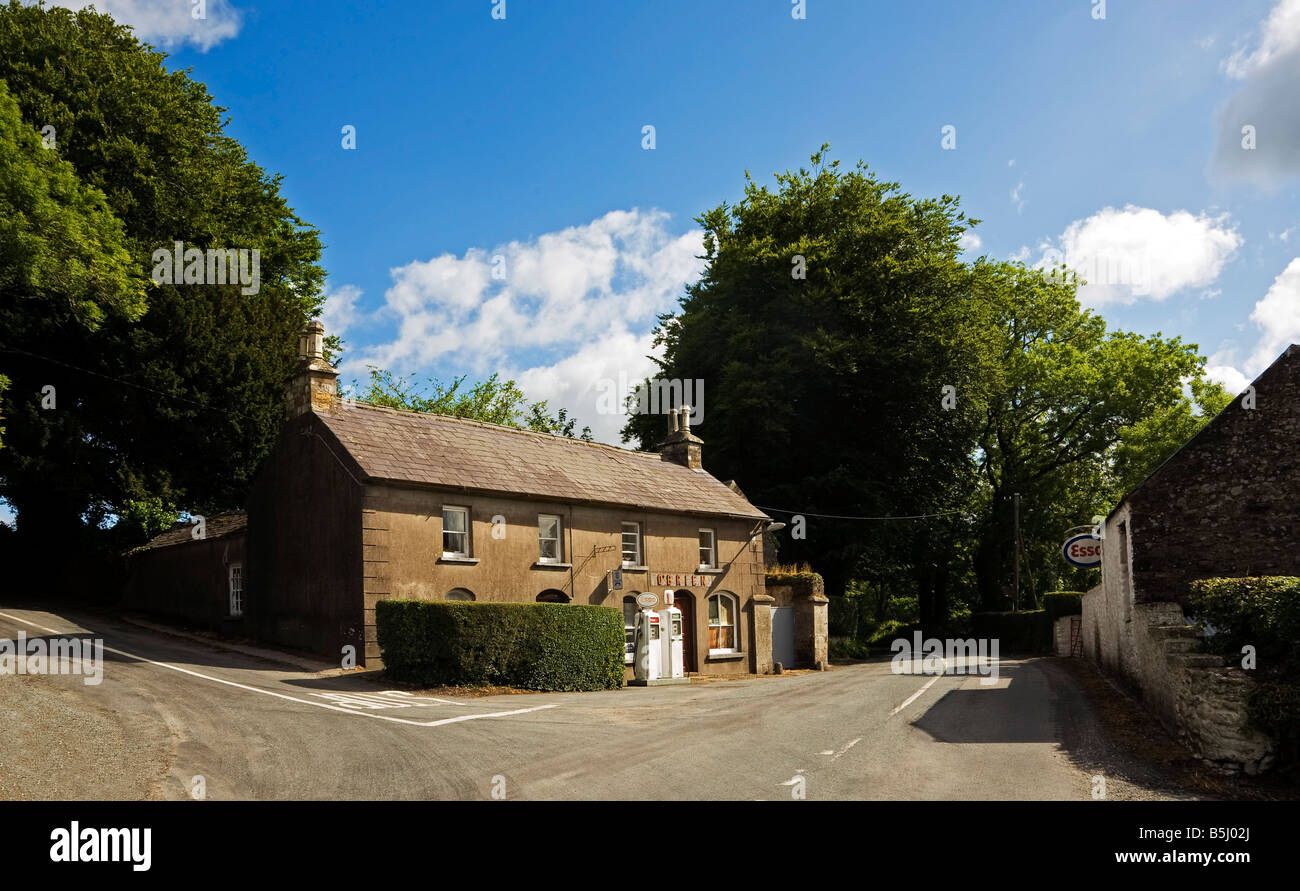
{"points": [[333, 708]]}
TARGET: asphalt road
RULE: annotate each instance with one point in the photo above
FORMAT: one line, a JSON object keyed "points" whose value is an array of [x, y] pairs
{"points": [[171, 710]]}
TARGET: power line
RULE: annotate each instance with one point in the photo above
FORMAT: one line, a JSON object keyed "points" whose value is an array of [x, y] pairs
{"points": [[119, 380]]}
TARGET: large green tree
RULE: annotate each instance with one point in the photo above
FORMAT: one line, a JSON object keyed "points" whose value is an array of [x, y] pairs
{"points": [[830, 318], [180, 402], [492, 401]]}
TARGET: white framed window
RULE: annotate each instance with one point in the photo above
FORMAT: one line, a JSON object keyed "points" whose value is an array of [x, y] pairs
{"points": [[708, 549], [236, 589], [630, 610], [722, 623], [632, 544], [455, 531], [550, 547]]}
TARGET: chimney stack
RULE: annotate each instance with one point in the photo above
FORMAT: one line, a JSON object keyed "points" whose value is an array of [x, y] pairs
{"points": [[681, 446], [314, 387]]}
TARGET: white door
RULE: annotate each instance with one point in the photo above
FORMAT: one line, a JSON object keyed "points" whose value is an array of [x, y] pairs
{"points": [[783, 635]]}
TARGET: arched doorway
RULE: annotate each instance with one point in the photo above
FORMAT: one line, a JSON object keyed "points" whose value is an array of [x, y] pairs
{"points": [[551, 595], [685, 602]]}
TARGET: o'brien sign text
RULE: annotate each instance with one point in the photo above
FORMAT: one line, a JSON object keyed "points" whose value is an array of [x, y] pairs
{"points": [[681, 580]]}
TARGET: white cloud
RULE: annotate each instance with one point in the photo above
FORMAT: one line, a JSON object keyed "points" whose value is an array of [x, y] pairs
{"points": [[1278, 316], [1232, 380], [340, 311], [585, 299], [170, 22], [1015, 196], [1268, 71], [1139, 252], [969, 241], [583, 381]]}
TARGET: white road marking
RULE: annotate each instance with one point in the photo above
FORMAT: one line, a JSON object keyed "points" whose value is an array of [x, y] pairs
{"points": [[846, 748], [333, 708], [930, 684], [827, 752]]}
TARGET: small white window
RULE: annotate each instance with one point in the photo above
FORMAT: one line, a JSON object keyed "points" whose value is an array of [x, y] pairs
{"points": [[236, 589], [455, 531], [549, 547], [632, 544], [722, 623], [708, 550]]}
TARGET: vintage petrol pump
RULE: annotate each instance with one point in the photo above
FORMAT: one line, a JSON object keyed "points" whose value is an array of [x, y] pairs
{"points": [[649, 646], [671, 637]]}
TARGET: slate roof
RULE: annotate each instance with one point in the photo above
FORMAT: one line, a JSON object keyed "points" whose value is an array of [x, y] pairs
{"points": [[183, 533], [435, 450]]}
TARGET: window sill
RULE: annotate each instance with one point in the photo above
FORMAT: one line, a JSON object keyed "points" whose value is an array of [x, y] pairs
{"points": [[724, 657], [627, 568], [450, 558], [542, 565], [708, 570]]}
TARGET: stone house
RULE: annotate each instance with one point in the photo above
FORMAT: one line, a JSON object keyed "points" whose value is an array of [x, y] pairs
{"points": [[1226, 504], [358, 503]]}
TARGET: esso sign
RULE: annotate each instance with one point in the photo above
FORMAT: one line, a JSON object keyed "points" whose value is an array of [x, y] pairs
{"points": [[1083, 551]]}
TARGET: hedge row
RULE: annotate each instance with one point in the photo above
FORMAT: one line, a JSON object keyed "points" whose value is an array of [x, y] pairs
{"points": [[1264, 613], [536, 646], [1063, 603], [1026, 631]]}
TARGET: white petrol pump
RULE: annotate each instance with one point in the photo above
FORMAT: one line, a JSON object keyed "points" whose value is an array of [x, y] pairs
{"points": [[658, 643]]}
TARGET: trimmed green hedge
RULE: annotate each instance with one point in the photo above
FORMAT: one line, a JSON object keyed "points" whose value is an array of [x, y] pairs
{"points": [[1262, 612], [536, 646], [1027, 631], [1063, 603]]}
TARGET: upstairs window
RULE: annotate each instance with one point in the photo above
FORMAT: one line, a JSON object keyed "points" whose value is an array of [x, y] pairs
{"points": [[708, 549], [455, 531], [632, 544], [549, 546]]}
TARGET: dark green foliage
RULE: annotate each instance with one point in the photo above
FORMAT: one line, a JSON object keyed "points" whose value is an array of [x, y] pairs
{"points": [[843, 617], [1264, 613], [1063, 603], [165, 391], [1026, 631], [536, 646], [848, 648]]}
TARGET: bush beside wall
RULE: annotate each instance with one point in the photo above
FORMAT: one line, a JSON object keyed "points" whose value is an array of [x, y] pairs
{"points": [[1027, 631], [1063, 603], [536, 646], [1264, 613]]}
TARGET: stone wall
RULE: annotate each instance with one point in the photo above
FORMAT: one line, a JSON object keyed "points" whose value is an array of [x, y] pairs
{"points": [[805, 592], [1198, 699]]}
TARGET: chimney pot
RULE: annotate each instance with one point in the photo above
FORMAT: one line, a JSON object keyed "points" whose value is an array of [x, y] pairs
{"points": [[686, 419]]}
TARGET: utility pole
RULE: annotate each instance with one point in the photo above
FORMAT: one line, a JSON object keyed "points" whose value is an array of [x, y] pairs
{"points": [[1015, 597]]}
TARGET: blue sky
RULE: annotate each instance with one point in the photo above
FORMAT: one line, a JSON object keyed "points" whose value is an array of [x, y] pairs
{"points": [[515, 146]]}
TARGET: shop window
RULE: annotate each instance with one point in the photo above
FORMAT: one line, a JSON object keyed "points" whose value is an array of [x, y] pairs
{"points": [[455, 532], [722, 623]]}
